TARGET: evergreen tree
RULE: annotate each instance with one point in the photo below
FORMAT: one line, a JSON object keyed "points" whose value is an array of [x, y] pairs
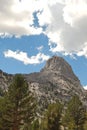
{"points": [[75, 114], [19, 105], [85, 124], [35, 125], [2, 109], [52, 118], [2, 105], [1, 92]]}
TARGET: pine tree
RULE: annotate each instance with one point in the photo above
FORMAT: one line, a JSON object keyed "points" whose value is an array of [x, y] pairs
{"points": [[52, 118], [85, 124], [35, 125], [19, 105], [1, 112], [75, 114], [1, 92]]}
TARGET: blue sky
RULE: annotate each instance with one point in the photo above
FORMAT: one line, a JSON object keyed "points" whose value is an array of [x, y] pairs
{"points": [[32, 31]]}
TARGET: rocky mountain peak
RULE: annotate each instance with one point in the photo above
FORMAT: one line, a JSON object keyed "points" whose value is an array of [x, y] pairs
{"points": [[56, 81], [56, 64], [60, 66]]}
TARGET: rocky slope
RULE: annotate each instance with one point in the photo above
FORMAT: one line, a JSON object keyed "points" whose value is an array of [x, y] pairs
{"points": [[56, 81], [5, 79]]}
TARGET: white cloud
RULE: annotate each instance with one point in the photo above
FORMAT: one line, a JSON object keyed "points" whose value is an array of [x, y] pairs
{"points": [[40, 48], [66, 26], [23, 57], [85, 87], [83, 51], [74, 10], [16, 17], [66, 22]]}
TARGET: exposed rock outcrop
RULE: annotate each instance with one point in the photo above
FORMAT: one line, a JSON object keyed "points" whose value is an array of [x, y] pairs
{"points": [[56, 81]]}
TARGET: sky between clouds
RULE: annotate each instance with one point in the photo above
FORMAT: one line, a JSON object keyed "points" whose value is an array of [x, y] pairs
{"points": [[62, 22]]}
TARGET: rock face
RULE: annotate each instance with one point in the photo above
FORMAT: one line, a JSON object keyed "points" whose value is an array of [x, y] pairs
{"points": [[5, 79], [56, 81]]}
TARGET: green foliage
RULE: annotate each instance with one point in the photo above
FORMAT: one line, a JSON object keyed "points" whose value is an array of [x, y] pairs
{"points": [[1, 92], [35, 125], [75, 114], [85, 124], [2, 104], [19, 109], [52, 117]]}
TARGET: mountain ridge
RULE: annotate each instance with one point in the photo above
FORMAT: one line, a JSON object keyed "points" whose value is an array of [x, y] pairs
{"points": [[56, 81]]}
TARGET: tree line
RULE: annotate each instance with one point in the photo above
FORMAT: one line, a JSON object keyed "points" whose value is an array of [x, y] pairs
{"points": [[18, 110]]}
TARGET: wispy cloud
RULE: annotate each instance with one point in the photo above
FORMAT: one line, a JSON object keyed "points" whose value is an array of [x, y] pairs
{"points": [[40, 48], [23, 57]]}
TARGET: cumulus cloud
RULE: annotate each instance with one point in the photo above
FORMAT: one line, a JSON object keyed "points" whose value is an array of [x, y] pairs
{"points": [[65, 22], [23, 57], [83, 51], [67, 26], [16, 18], [85, 87]]}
